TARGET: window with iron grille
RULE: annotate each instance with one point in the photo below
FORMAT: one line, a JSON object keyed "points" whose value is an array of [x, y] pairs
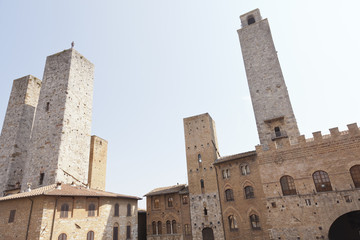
{"points": [[229, 195], [249, 192]]}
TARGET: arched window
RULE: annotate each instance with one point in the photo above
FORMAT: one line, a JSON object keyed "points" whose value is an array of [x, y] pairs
{"points": [[128, 231], [232, 223], [287, 185], [229, 195], [64, 211], [91, 210], [251, 20], [128, 212], [168, 227], [249, 192], [90, 235], [116, 232], [170, 202], [116, 213], [187, 229], [62, 236], [255, 222], [156, 203], [322, 181], [159, 227], [245, 169], [154, 229], [173, 225], [355, 174]]}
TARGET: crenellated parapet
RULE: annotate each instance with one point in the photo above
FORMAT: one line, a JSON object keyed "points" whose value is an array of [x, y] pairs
{"points": [[334, 136]]}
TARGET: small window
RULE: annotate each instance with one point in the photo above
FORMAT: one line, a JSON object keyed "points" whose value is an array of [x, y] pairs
{"points": [[116, 232], [187, 230], [64, 210], [202, 183], [12, 216], [41, 180], [154, 228], [62, 236], [156, 203], [245, 169], [229, 195], [232, 223], [308, 202], [185, 199], [128, 232], [277, 132], [91, 210], [90, 235], [199, 158], [251, 20], [128, 212], [159, 228], [173, 225], [205, 211], [116, 213], [249, 192], [322, 181], [170, 202], [355, 174], [287, 185], [168, 227], [255, 222], [226, 173], [47, 106]]}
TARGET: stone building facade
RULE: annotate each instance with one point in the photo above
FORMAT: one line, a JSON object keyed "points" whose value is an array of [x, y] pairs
{"points": [[168, 213], [289, 187], [62, 211]]}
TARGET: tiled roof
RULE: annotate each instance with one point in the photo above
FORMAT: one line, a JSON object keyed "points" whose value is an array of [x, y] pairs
{"points": [[235, 156], [66, 190], [166, 190]]}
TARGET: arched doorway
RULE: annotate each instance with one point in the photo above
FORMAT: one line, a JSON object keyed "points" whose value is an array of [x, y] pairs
{"points": [[346, 226], [208, 234]]}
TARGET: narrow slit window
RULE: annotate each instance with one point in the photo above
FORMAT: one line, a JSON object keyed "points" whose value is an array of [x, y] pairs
{"points": [[41, 180], [12, 216], [47, 106]]}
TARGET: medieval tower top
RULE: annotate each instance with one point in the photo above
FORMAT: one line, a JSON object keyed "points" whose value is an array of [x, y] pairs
{"points": [[274, 116]]}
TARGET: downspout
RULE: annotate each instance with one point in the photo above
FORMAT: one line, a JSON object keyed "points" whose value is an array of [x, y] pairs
{"points": [[28, 225], [53, 220]]}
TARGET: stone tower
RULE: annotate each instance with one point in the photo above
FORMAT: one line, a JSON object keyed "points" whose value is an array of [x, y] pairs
{"points": [[274, 116], [16, 132], [60, 143], [201, 153], [97, 164]]}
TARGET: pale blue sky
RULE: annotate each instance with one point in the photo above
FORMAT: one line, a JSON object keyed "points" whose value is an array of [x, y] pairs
{"points": [[158, 61]]}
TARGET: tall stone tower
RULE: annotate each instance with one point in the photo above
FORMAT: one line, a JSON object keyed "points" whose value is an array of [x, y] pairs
{"points": [[273, 112], [201, 153], [97, 164], [16, 131], [60, 143]]}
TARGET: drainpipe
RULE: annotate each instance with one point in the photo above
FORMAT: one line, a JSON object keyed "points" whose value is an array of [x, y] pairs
{"points": [[53, 220], [28, 225]]}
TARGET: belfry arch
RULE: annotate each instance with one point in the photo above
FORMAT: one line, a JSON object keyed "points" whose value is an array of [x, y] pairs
{"points": [[347, 226]]}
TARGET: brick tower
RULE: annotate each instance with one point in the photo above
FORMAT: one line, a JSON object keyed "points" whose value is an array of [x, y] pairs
{"points": [[16, 132], [274, 116], [201, 153], [60, 143]]}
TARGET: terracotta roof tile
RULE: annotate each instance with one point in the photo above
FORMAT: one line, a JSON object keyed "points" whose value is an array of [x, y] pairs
{"points": [[166, 190], [235, 156]]}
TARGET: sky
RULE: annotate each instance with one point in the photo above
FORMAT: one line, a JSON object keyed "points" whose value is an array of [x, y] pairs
{"points": [[159, 61]]}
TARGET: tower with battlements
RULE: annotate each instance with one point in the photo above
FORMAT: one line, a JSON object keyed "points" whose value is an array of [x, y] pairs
{"points": [[274, 116]]}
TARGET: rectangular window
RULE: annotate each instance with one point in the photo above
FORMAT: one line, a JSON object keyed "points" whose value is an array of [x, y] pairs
{"points": [[116, 233], [12, 216], [185, 199], [307, 202], [128, 231], [41, 180]]}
